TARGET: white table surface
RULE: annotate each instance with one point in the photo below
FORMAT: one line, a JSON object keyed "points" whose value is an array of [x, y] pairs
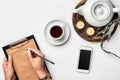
{"points": [[21, 18]]}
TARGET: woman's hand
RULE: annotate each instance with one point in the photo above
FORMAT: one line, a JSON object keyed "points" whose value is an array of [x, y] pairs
{"points": [[36, 62], [8, 69]]}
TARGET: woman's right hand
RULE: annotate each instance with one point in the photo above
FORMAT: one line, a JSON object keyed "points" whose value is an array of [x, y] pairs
{"points": [[37, 63]]}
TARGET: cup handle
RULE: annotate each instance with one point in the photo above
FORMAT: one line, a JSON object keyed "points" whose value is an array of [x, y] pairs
{"points": [[116, 10]]}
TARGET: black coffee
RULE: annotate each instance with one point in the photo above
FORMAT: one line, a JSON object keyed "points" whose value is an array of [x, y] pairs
{"points": [[56, 31]]}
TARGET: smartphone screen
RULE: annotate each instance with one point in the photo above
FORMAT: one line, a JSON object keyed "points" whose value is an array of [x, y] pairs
{"points": [[84, 59]]}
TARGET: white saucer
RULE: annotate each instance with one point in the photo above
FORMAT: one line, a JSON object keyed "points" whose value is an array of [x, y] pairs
{"points": [[66, 31]]}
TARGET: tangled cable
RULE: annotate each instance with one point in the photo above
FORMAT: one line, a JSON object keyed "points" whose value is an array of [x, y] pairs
{"points": [[107, 32]]}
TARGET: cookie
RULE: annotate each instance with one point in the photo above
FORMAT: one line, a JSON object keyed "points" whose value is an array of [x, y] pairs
{"points": [[80, 25], [90, 31]]}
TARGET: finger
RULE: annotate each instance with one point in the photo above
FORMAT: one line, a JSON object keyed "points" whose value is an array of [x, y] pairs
{"points": [[5, 63], [30, 57], [10, 61], [37, 51], [5, 59], [27, 51]]}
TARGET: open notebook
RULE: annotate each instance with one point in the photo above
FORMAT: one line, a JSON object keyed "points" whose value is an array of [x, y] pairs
{"points": [[17, 50]]}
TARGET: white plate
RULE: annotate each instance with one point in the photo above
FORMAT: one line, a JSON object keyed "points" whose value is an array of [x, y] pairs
{"points": [[66, 32]]}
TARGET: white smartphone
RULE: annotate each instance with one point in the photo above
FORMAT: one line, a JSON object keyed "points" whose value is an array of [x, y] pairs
{"points": [[84, 59]]}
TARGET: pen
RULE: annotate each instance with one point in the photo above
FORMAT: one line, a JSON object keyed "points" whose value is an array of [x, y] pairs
{"points": [[42, 57]]}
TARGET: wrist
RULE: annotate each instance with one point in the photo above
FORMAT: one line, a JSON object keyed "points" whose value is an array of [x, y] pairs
{"points": [[47, 77], [41, 73], [8, 79], [44, 75]]}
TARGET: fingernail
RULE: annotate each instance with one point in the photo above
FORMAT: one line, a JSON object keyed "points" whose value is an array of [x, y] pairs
{"points": [[28, 53], [9, 57]]}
